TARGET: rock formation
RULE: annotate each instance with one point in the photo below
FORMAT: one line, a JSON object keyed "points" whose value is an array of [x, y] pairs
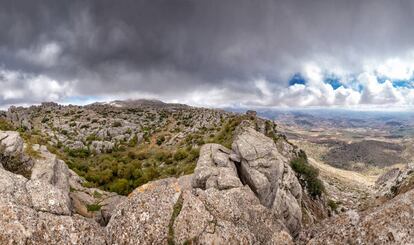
{"points": [[246, 195]]}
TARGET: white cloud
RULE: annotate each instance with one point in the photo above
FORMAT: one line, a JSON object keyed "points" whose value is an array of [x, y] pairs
{"points": [[18, 87]]}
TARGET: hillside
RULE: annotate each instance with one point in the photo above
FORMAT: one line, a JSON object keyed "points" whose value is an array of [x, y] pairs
{"points": [[156, 173]]}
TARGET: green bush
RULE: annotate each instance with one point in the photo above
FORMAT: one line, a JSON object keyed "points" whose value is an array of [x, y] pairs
{"points": [[5, 125], [81, 153], [308, 174], [333, 205], [180, 154], [120, 186], [160, 140], [93, 207]]}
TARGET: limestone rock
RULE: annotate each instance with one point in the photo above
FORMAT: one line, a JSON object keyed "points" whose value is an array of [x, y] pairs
{"points": [[395, 181], [390, 223], [23, 225], [12, 142], [12, 155], [233, 216], [268, 174], [214, 169], [145, 217], [101, 146]]}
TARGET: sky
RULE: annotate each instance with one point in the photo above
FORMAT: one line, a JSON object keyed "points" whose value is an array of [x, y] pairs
{"points": [[216, 53]]}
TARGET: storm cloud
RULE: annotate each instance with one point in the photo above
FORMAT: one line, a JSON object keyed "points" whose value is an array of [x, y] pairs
{"points": [[210, 53]]}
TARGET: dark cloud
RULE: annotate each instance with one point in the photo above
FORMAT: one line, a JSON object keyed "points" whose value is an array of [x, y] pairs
{"points": [[173, 49]]}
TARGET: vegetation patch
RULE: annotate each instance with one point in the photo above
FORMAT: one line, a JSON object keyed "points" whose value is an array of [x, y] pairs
{"points": [[308, 175], [93, 207], [5, 125], [176, 211]]}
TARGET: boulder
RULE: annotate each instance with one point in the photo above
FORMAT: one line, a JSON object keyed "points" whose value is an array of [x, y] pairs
{"points": [[214, 169], [269, 175], [12, 155], [145, 217]]}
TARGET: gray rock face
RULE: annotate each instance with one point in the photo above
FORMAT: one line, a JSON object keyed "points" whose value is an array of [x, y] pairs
{"points": [[101, 146], [394, 181], [269, 175], [170, 210], [144, 218], [38, 210], [390, 223], [12, 157], [214, 169], [23, 225]]}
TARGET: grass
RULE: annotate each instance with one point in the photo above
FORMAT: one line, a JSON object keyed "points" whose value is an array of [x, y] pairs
{"points": [[93, 207]]}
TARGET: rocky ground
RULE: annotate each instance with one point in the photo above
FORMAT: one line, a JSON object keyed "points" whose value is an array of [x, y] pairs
{"points": [[246, 194], [250, 187]]}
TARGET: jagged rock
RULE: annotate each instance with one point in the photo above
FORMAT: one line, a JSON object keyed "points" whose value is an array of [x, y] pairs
{"points": [[268, 174], [12, 156], [49, 169], [101, 146], [395, 181], [390, 223], [169, 210], [12, 142], [214, 169], [77, 145], [38, 209], [80, 200]]}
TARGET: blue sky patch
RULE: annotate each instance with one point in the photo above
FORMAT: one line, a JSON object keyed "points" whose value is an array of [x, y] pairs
{"points": [[297, 79], [334, 82]]}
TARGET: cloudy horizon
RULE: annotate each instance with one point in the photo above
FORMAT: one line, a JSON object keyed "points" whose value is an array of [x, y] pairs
{"points": [[294, 54]]}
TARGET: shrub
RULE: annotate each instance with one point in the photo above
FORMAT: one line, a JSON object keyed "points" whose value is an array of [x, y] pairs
{"points": [[93, 207], [180, 154], [120, 186], [160, 140], [5, 125], [308, 174], [97, 194], [333, 205], [81, 153]]}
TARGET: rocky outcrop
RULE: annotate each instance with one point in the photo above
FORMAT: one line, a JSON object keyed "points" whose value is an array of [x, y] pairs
{"points": [[247, 195], [395, 181], [269, 175], [38, 208], [12, 155], [244, 195], [390, 223]]}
